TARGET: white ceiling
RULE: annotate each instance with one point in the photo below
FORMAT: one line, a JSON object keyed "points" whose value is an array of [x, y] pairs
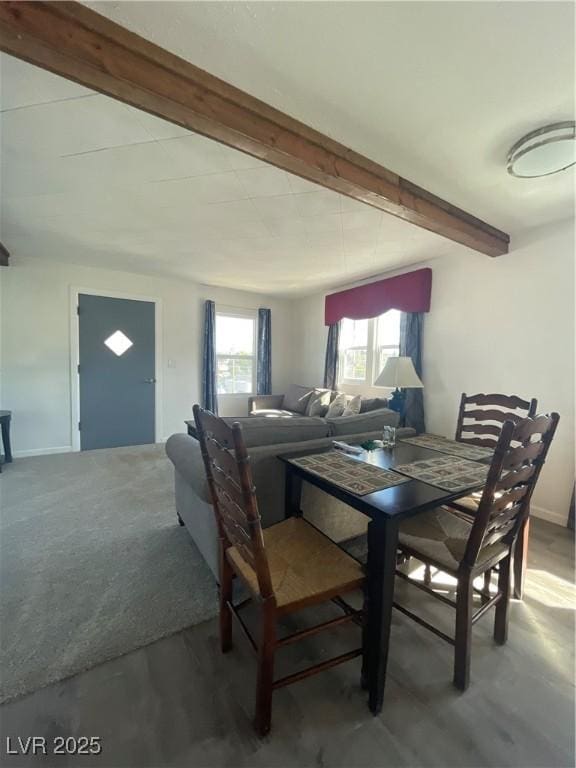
{"points": [[435, 91]]}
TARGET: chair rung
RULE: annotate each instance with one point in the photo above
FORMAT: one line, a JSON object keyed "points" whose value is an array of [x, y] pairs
{"points": [[486, 607], [289, 679], [341, 603], [347, 608], [426, 589], [423, 623], [303, 633], [243, 626], [245, 602]]}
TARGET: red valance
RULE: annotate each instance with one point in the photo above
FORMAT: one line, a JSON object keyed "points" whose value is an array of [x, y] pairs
{"points": [[409, 292]]}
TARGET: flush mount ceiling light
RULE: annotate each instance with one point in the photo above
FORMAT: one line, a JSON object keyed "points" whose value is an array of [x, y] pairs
{"points": [[543, 152]]}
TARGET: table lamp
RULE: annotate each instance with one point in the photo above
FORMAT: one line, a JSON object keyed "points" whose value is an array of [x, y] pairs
{"points": [[398, 373]]}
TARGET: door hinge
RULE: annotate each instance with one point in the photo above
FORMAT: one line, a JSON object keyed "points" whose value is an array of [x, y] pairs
{"points": [[78, 368], [78, 309], [79, 426]]}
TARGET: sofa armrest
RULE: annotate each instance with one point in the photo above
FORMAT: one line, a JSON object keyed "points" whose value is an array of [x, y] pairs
{"points": [[265, 402], [184, 452]]}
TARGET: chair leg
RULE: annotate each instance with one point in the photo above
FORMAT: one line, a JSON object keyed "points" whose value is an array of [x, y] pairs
{"points": [[487, 582], [265, 679], [427, 575], [364, 680], [520, 560], [502, 607], [226, 587], [463, 639]]}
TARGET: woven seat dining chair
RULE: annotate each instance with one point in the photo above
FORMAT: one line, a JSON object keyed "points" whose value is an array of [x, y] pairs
{"points": [[477, 414], [480, 419], [466, 550], [286, 567]]}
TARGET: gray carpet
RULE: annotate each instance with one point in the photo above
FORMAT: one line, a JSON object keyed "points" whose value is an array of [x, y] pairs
{"points": [[93, 563]]}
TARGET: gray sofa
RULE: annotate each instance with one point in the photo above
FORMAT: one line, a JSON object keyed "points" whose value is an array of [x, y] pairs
{"points": [[265, 438], [298, 401]]}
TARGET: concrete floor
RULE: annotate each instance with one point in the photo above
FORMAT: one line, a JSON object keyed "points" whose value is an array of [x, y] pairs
{"points": [[179, 702]]}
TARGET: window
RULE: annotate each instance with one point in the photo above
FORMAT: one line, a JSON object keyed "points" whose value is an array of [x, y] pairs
{"points": [[365, 345], [387, 337], [354, 349], [235, 353], [118, 343]]}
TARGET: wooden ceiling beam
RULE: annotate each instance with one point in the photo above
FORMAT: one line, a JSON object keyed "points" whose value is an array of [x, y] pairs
{"points": [[77, 43], [4, 256]]}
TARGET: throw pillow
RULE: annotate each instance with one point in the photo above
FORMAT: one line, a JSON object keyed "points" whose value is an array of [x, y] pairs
{"points": [[296, 398], [337, 406], [353, 407], [318, 403]]}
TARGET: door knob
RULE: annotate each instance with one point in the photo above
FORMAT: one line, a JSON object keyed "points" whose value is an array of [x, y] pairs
{"points": [[149, 381]]}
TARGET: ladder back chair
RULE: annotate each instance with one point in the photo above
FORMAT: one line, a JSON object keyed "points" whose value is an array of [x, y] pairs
{"points": [[467, 549], [286, 567], [480, 419]]}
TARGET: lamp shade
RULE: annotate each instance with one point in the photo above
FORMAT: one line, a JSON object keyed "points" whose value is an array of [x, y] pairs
{"points": [[399, 373]]}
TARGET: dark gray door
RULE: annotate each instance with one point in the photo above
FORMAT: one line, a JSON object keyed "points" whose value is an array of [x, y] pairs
{"points": [[117, 364]]}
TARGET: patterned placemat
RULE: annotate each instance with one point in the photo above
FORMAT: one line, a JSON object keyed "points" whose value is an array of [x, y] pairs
{"points": [[452, 447], [355, 476], [446, 472]]}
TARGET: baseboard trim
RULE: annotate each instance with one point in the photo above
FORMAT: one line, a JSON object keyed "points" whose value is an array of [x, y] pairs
{"points": [[42, 451], [549, 515]]}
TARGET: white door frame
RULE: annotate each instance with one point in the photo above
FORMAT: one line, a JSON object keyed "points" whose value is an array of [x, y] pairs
{"points": [[75, 358]]}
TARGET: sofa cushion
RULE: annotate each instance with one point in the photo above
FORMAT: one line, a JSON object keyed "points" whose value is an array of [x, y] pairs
{"points": [[274, 413], [372, 404], [352, 406], [296, 398], [319, 402], [263, 430], [337, 406], [363, 422]]}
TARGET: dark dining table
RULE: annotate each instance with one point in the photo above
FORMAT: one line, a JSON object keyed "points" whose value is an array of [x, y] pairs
{"points": [[386, 509]]}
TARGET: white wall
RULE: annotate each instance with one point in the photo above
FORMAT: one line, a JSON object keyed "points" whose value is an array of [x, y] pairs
{"points": [[35, 324], [495, 325]]}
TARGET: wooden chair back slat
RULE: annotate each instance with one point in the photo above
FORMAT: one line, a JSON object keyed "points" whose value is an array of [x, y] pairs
{"points": [[237, 536], [516, 476], [229, 475], [222, 458], [489, 430], [500, 519], [218, 429], [511, 402], [228, 485], [511, 479], [497, 534], [501, 502], [480, 417], [535, 426], [520, 455], [490, 414], [481, 442], [232, 513]]}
